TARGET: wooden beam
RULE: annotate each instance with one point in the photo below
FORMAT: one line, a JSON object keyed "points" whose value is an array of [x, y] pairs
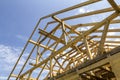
{"points": [[59, 64], [50, 33], [93, 76], [93, 24], [27, 59], [103, 38], [79, 46], [114, 5], [71, 8], [100, 36], [99, 31], [66, 25], [112, 16], [42, 67], [109, 37], [87, 47], [118, 42], [41, 45], [110, 30], [41, 71], [29, 75], [51, 67], [115, 64], [86, 14], [14, 75], [51, 36], [26, 45], [103, 60], [93, 66]]}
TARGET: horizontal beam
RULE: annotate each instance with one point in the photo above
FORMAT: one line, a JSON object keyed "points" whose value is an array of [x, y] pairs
{"points": [[110, 30], [85, 14], [51, 36], [100, 36], [118, 42], [98, 64], [13, 75], [109, 37], [99, 31], [94, 23], [41, 45], [78, 46], [93, 64], [111, 45], [42, 67], [71, 8]]}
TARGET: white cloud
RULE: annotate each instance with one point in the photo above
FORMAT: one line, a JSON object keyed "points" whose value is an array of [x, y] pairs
{"points": [[83, 10], [5, 78], [9, 54], [111, 33], [8, 57]]}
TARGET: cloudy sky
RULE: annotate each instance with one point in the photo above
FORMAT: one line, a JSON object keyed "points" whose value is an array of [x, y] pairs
{"points": [[17, 20]]}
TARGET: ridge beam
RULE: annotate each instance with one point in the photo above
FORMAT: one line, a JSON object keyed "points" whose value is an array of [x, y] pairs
{"points": [[114, 5], [73, 7], [110, 9]]}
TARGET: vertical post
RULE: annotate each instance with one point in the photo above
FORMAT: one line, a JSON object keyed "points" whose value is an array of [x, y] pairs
{"points": [[103, 38], [51, 67], [87, 47], [63, 29], [41, 71], [37, 58], [29, 75], [37, 55]]}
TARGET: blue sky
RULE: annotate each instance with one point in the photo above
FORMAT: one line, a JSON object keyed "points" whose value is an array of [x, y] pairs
{"points": [[17, 20], [18, 17]]}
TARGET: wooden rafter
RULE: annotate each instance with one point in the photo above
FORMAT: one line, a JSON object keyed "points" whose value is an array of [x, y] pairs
{"points": [[65, 50]]}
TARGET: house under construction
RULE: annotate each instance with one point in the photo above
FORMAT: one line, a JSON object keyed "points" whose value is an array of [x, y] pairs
{"points": [[85, 50]]}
